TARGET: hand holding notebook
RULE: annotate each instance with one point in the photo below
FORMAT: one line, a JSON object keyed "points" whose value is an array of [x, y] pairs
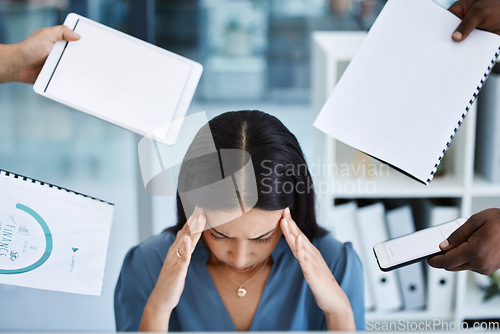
{"points": [[480, 14], [407, 90]]}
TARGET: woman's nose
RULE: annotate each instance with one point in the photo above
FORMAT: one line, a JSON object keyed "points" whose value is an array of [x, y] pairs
{"points": [[241, 255]]}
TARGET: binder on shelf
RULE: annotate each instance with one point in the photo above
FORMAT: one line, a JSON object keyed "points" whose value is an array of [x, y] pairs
{"points": [[372, 230], [52, 238], [488, 125], [343, 227], [411, 278], [400, 70], [440, 283]]}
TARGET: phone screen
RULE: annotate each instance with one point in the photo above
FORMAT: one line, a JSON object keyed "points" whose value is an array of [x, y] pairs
{"points": [[419, 244]]}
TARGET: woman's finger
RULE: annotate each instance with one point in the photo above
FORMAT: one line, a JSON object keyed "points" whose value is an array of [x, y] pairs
{"points": [[196, 229], [186, 249], [307, 253], [191, 222], [289, 236], [196, 223], [292, 225], [301, 252], [183, 252], [295, 230], [178, 242]]}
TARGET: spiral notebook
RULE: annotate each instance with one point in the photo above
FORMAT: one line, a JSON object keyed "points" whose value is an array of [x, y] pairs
{"points": [[409, 87], [52, 238]]}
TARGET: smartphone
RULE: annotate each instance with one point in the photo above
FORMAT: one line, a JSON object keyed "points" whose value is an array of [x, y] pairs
{"points": [[414, 247]]}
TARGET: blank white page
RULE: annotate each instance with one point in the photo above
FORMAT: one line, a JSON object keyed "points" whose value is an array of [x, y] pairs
{"points": [[118, 80], [405, 91]]}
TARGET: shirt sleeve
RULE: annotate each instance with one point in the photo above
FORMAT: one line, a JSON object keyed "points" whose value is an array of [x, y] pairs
{"points": [[132, 291], [348, 271]]}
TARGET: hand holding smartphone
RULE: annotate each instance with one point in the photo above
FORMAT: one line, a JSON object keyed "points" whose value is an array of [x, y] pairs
{"points": [[411, 248]]}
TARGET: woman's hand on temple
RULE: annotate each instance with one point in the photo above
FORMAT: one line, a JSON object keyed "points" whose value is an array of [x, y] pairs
{"points": [[330, 298], [170, 284]]}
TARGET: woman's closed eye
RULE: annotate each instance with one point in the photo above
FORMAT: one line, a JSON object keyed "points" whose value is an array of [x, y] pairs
{"points": [[219, 238], [268, 239]]}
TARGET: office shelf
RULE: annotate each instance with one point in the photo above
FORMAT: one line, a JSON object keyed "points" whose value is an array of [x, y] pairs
{"points": [[331, 53]]}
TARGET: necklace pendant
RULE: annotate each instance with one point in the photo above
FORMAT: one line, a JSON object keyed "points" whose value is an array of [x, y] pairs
{"points": [[241, 292]]}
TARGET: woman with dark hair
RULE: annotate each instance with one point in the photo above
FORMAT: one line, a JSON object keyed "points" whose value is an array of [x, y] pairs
{"points": [[263, 262]]}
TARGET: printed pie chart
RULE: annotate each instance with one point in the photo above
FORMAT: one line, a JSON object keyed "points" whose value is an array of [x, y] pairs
{"points": [[25, 241]]}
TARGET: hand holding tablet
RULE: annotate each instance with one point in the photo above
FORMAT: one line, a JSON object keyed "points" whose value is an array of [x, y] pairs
{"points": [[120, 79]]}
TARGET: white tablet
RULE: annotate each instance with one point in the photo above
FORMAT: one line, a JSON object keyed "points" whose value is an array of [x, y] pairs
{"points": [[120, 79]]}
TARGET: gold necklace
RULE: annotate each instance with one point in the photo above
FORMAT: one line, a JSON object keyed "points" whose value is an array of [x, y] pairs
{"points": [[241, 291]]}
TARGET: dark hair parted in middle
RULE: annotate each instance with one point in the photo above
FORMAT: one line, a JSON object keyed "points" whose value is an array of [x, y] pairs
{"points": [[280, 177]]}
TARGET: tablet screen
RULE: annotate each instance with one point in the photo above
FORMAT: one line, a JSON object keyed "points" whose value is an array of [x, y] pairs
{"points": [[119, 80]]}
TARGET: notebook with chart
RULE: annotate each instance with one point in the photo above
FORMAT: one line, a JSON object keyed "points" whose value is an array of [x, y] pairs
{"points": [[407, 90], [52, 238]]}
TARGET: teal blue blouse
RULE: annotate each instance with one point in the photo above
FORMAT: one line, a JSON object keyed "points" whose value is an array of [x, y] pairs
{"points": [[287, 302]]}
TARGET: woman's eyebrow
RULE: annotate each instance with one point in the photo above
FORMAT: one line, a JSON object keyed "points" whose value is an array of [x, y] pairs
{"points": [[213, 229]]}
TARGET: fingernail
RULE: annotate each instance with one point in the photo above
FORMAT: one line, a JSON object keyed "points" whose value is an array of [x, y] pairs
{"points": [[201, 218], [444, 244], [287, 211], [285, 223], [457, 35]]}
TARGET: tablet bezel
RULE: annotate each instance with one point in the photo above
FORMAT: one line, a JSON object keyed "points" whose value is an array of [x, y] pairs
{"points": [[57, 53]]}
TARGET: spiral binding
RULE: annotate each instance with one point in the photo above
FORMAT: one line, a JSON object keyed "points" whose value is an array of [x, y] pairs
{"points": [[25, 178], [460, 121]]}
